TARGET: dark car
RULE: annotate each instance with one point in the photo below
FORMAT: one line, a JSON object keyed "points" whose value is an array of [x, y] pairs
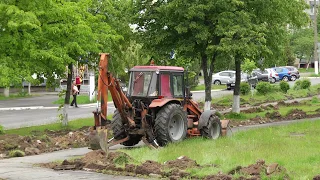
{"points": [[261, 75], [252, 80], [284, 73], [294, 72]]}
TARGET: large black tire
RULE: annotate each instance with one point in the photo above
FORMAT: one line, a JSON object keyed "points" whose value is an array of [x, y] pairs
{"points": [[213, 129], [118, 127], [170, 124]]}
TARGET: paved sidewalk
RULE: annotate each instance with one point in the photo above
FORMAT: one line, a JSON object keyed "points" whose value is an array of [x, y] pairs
{"points": [[24, 168]]}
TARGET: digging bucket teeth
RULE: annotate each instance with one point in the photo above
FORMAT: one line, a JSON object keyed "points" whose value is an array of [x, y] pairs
{"points": [[224, 127], [103, 139]]}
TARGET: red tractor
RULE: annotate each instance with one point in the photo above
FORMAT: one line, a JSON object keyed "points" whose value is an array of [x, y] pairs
{"points": [[157, 108]]}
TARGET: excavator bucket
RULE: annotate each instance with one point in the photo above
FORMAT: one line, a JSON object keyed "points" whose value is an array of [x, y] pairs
{"points": [[103, 139]]}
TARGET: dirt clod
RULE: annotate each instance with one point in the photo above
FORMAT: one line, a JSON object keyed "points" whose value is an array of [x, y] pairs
{"points": [[149, 167], [317, 177], [182, 162]]}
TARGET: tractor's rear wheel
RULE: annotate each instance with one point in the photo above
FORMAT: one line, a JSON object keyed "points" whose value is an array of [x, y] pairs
{"points": [[117, 127], [213, 129], [170, 124]]}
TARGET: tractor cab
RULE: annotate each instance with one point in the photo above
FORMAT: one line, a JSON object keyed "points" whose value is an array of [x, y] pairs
{"points": [[156, 82]]}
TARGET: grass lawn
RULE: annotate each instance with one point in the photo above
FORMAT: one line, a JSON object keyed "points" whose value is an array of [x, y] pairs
{"points": [[202, 87], [81, 99], [303, 70], [73, 125], [14, 96], [309, 108], [257, 99], [294, 147]]}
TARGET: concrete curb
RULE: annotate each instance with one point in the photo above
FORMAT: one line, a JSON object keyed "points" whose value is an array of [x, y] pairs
{"points": [[43, 107]]}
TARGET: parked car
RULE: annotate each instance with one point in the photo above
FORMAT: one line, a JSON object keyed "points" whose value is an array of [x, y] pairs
{"points": [[222, 77], [232, 81], [284, 73], [294, 72], [263, 75]]}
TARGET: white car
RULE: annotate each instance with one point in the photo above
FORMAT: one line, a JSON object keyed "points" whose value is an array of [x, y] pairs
{"points": [[223, 77]]}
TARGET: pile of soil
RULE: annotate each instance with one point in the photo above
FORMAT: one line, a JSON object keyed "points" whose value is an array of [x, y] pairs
{"points": [[41, 142], [98, 161], [48, 142]]}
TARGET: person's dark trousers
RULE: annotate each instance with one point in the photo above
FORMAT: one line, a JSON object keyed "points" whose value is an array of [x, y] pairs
{"points": [[74, 101], [78, 86]]}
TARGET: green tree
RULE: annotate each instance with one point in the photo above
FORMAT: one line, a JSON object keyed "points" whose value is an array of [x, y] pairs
{"points": [[18, 31], [50, 35], [302, 43], [257, 30], [208, 30]]}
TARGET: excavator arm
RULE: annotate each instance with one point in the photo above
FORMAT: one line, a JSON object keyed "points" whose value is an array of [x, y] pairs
{"points": [[107, 83]]}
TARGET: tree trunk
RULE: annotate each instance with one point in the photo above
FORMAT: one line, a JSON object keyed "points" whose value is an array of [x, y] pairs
{"points": [[207, 74], [236, 92], [6, 92], [67, 97], [29, 88]]}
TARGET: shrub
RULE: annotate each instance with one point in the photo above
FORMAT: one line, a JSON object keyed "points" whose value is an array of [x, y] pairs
{"points": [[302, 84], [244, 88], [264, 88], [297, 85], [305, 84], [314, 100], [284, 86], [16, 153], [1, 130]]}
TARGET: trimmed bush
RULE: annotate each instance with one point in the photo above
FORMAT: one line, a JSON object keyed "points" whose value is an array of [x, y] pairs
{"points": [[244, 88], [284, 86], [1, 130], [264, 88], [302, 84], [297, 85], [305, 84]]}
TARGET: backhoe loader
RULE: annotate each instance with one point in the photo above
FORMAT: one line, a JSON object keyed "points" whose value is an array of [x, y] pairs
{"points": [[157, 108]]}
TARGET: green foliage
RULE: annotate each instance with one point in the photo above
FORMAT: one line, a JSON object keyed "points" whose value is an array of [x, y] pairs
{"points": [[244, 88], [302, 84], [284, 86], [248, 66], [264, 88], [315, 100], [305, 84], [16, 153], [233, 115], [1, 130], [302, 43]]}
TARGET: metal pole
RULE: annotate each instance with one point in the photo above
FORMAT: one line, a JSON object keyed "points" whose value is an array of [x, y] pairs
{"points": [[315, 54]]}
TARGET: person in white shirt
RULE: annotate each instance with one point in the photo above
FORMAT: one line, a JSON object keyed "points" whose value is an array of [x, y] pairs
{"points": [[74, 91]]}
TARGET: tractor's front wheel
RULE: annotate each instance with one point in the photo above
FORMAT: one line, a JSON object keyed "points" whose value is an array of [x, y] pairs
{"points": [[117, 127], [170, 124], [213, 129]]}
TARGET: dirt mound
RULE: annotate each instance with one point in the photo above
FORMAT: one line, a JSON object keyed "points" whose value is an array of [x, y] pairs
{"points": [[293, 103], [97, 161], [296, 114], [40, 142], [273, 115], [182, 162], [149, 167], [260, 168], [317, 177], [253, 110]]}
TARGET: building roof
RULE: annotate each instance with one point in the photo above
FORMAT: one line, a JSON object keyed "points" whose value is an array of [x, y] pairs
{"points": [[154, 68]]}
